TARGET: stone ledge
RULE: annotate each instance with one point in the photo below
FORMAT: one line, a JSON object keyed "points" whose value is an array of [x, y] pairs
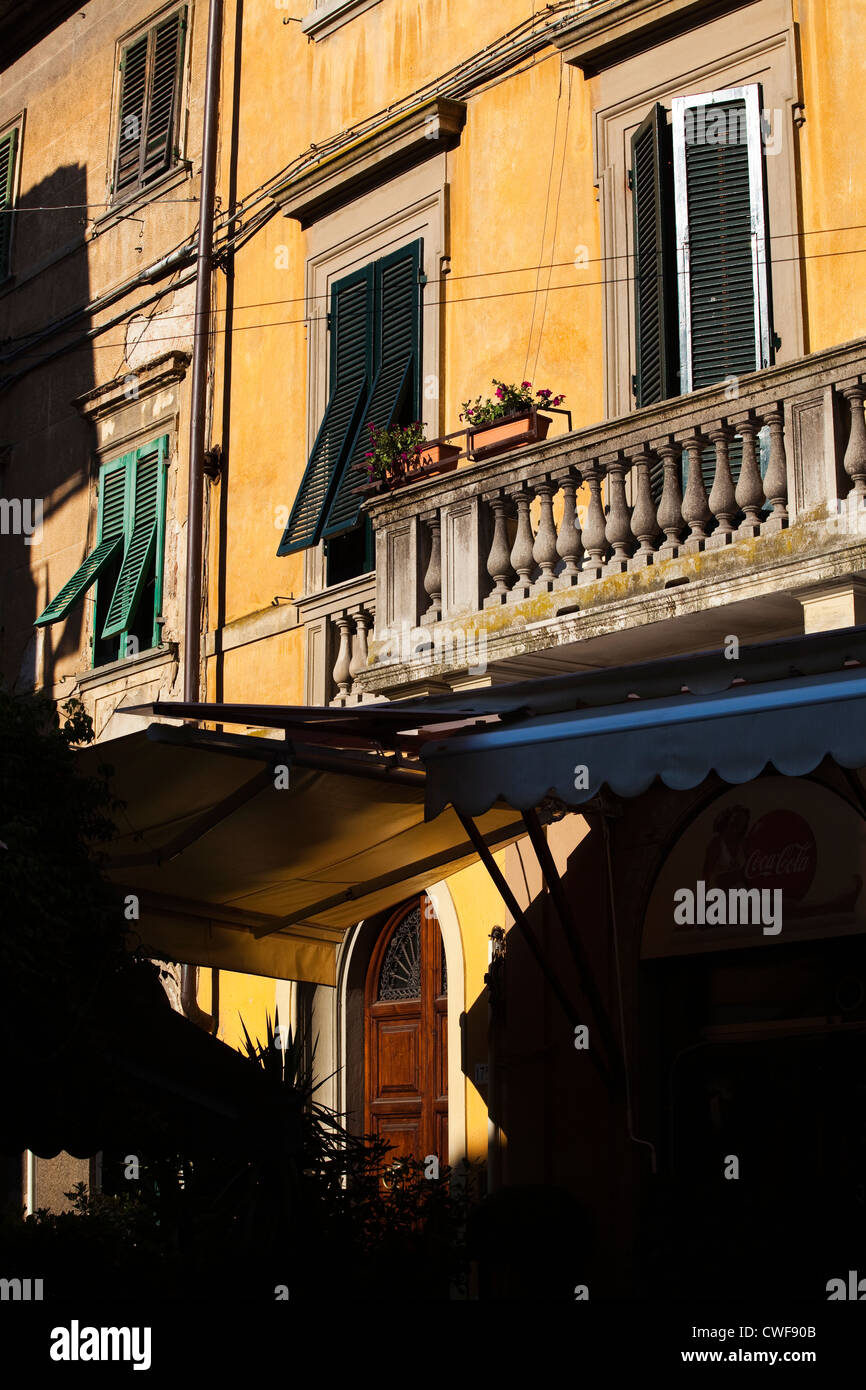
{"points": [[332, 15], [252, 627], [371, 160], [163, 371], [806, 554]]}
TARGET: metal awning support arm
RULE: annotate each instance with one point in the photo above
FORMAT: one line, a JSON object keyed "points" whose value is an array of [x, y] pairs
{"points": [[550, 873], [522, 923]]}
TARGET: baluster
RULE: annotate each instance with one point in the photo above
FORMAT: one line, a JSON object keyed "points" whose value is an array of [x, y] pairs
{"points": [[696, 510], [343, 664], [499, 559], [670, 512], [360, 655], [643, 518], [522, 557], [433, 574], [595, 531], [723, 503], [776, 477], [854, 461], [544, 551], [750, 490], [569, 545], [618, 528]]}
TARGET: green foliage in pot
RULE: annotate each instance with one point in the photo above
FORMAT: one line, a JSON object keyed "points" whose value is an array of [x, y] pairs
{"points": [[507, 400], [392, 449]]}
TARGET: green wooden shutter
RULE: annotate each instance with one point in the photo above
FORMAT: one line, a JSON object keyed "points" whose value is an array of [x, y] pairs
{"points": [[351, 361], [164, 95], [8, 150], [109, 545], [131, 121], [141, 547], [395, 389], [654, 265]]}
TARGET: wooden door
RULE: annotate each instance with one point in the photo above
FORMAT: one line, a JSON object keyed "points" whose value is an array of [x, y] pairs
{"points": [[406, 1012]]}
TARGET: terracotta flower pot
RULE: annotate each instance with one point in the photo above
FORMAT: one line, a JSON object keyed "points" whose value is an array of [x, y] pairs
{"points": [[435, 457], [509, 433]]}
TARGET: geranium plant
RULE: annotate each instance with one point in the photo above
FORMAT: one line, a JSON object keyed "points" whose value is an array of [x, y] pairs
{"points": [[507, 400], [391, 450]]}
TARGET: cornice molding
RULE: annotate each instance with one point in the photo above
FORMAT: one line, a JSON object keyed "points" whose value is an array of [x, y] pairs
{"points": [[599, 38], [373, 159], [108, 399]]}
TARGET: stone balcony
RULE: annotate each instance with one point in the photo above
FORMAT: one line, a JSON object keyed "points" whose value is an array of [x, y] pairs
{"points": [[557, 556]]}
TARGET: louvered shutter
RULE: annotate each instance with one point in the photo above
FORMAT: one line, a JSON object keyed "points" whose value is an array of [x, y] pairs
{"points": [[109, 546], [150, 86], [8, 150], [395, 385], [141, 547], [133, 95], [654, 264], [721, 240], [164, 95], [351, 362]]}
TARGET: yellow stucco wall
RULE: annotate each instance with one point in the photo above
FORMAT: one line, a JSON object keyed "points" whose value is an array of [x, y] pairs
{"points": [[832, 183], [522, 297], [521, 195]]}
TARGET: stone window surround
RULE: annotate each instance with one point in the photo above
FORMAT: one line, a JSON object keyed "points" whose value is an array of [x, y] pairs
{"points": [[753, 44], [410, 206], [182, 168], [121, 424]]}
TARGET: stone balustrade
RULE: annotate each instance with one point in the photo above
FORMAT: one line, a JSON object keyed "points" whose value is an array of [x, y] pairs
{"points": [[685, 478]]}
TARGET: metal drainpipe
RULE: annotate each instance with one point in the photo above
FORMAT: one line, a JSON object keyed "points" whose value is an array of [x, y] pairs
{"points": [[198, 411], [201, 344]]}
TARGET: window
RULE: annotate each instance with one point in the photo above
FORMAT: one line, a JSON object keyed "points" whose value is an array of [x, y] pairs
{"points": [[127, 560], [702, 301], [374, 376], [702, 304], [8, 168], [149, 106]]}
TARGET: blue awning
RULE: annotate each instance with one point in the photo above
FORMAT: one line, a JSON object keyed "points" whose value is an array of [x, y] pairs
{"points": [[792, 724]]}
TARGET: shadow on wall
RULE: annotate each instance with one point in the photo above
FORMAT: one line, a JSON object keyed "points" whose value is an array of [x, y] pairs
{"points": [[46, 447]]}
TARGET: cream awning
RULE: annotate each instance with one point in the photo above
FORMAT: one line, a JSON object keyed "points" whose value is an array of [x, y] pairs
{"points": [[232, 870]]}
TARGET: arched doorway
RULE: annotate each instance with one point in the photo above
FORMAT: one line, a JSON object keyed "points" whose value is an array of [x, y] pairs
{"points": [[406, 1044]]}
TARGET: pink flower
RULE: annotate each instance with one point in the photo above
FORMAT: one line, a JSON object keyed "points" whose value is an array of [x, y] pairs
{"points": [[499, 392], [525, 385], [368, 456]]}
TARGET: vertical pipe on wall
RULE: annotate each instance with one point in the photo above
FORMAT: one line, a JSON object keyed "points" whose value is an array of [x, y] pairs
{"points": [[198, 412], [201, 345]]}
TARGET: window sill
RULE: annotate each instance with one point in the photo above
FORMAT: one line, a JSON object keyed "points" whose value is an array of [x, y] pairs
{"points": [[126, 204], [152, 659], [332, 15]]}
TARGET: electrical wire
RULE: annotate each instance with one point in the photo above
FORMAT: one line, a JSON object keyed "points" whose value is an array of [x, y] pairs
{"points": [[447, 303], [511, 270], [555, 224]]}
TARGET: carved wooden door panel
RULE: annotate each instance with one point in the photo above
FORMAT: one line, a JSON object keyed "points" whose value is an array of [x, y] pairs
{"points": [[407, 1035]]}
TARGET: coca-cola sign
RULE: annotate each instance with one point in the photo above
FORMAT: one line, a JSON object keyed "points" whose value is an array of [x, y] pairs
{"points": [[780, 852]]}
